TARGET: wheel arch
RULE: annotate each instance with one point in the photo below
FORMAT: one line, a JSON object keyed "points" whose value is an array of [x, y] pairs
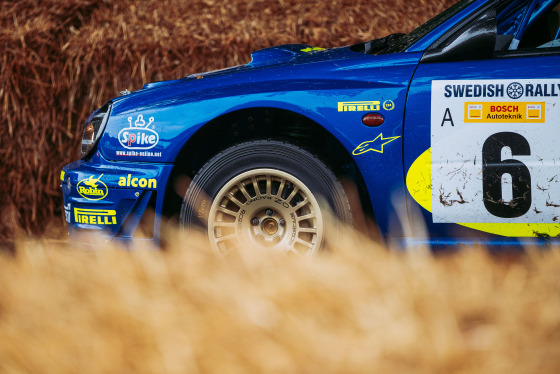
{"points": [[275, 124]]}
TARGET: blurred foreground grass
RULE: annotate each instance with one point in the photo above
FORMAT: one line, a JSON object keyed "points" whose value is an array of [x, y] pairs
{"points": [[357, 309]]}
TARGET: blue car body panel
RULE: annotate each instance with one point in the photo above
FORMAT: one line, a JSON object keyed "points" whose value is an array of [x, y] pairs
{"points": [[124, 204], [529, 67], [147, 130]]}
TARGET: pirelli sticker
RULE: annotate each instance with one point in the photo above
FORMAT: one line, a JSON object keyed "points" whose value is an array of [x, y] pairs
{"points": [[102, 217], [359, 106], [365, 106], [504, 112]]}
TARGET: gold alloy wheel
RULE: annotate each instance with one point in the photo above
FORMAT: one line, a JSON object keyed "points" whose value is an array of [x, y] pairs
{"points": [[268, 208]]}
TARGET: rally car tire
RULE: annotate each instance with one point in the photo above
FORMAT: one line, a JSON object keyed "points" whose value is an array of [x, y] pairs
{"points": [[269, 194]]}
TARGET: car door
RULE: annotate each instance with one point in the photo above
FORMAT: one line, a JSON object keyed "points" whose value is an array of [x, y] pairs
{"points": [[482, 129]]}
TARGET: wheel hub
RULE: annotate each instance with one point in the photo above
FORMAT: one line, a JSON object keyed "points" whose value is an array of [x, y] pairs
{"points": [[268, 231], [270, 226]]}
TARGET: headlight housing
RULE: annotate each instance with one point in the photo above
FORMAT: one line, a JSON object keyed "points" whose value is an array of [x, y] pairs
{"points": [[93, 129]]}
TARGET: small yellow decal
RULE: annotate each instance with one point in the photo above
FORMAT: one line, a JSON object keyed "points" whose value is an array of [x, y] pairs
{"points": [[92, 188], [369, 145], [359, 106], [388, 105], [62, 173], [95, 216], [137, 182], [311, 49]]}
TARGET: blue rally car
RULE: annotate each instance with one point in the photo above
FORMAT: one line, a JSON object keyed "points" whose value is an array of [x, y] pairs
{"points": [[445, 135]]}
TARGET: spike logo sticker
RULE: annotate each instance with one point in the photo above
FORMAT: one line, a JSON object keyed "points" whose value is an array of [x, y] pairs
{"points": [[139, 136]]}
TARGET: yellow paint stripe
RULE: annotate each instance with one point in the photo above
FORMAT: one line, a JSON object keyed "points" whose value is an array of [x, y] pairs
{"points": [[419, 185]]}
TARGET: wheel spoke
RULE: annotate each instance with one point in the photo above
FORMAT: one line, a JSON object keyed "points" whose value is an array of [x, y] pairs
{"points": [[302, 203], [234, 199], [256, 186], [305, 217], [304, 243], [225, 237], [312, 230], [224, 224], [227, 211], [294, 251], [281, 188], [294, 192], [241, 187], [268, 185]]}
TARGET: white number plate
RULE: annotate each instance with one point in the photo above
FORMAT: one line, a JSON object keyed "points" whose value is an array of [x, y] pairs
{"points": [[495, 147]]}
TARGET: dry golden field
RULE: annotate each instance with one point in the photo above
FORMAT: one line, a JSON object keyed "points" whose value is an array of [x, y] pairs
{"points": [[359, 308]]}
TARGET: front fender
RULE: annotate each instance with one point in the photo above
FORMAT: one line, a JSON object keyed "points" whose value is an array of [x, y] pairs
{"points": [[153, 126]]}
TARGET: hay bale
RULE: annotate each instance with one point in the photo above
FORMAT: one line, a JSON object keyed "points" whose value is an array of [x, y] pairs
{"points": [[64, 59]]}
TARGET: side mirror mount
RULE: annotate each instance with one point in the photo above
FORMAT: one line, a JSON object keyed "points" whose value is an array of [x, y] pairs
{"points": [[476, 41]]}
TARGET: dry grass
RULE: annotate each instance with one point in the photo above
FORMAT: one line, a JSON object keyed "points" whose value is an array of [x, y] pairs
{"points": [[358, 309], [63, 58]]}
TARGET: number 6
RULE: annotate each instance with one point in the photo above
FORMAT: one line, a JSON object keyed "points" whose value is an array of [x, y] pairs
{"points": [[493, 168]]}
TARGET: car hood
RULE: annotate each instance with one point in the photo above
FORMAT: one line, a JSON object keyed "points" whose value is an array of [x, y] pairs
{"points": [[268, 56], [300, 53], [295, 62]]}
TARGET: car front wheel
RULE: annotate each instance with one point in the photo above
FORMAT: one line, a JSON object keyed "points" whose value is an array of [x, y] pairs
{"points": [[266, 193]]}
